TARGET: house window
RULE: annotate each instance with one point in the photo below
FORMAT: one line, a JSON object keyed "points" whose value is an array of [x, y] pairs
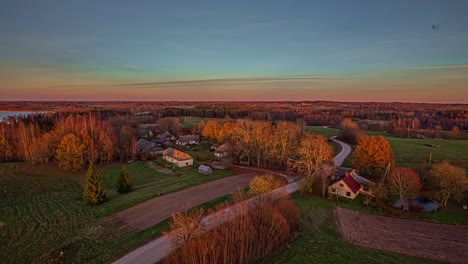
{"points": [[333, 190], [348, 194], [341, 185], [186, 163]]}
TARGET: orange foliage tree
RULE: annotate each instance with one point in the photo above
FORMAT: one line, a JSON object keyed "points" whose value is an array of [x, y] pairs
{"points": [[405, 182], [373, 156], [212, 129], [70, 153], [350, 131], [264, 184]]}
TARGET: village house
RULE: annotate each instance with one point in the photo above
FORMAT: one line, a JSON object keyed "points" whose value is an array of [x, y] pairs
{"points": [[223, 151], [145, 146], [177, 158], [348, 183], [146, 133], [188, 140], [166, 136]]}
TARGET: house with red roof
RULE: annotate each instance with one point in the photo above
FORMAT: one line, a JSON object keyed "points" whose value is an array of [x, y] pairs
{"points": [[345, 185]]}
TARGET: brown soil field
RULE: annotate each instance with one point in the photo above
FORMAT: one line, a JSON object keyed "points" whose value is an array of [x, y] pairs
{"points": [[448, 243]]}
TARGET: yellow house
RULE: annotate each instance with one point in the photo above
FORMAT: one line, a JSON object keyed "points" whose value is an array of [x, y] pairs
{"points": [[178, 158]]}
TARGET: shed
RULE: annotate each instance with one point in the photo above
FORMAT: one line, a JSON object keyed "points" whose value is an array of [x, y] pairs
{"points": [[205, 170]]}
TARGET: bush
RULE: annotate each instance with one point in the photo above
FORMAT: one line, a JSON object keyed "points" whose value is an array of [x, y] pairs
{"points": [[202, 157], [247, 237], [264, 184], [306, 187], [124, 183]]}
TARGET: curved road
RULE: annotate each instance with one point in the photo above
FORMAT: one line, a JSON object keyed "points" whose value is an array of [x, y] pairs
{"points": [[345, 151], [156, 210]]}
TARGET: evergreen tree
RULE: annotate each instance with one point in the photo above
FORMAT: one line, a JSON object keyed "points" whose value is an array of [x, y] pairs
{"points": [[93, 191], [124, 183]]}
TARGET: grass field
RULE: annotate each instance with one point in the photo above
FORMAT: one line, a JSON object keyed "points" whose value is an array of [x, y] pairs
{"points": [[190, 121], [318, 130], [410, 152], [43, 214], [318, 240]]}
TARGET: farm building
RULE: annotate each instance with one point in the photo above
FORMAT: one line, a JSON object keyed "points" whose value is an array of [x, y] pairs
{"points": [[166, 136], [348, 183], [144, 146], [146, 133], [188, 140], [223, 151], [178, 158], [205, 170]]}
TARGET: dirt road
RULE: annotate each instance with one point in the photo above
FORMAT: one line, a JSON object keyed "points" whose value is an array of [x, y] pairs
{"points": [[440, 242], [154, 211]]}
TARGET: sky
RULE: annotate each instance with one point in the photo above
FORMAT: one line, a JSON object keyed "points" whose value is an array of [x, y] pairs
{"points": [[408, 51]]}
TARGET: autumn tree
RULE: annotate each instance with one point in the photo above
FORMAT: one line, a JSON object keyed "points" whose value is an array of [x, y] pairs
{"points": [[124, 182], [373, 155], [226, 131], [350, 131], [93, 191], [185, 225], [212, 130], [170, 124], [70, 153], [314, 152], [455, 133], [450, 181], [404, 182], [6, 151], [264, 184]]}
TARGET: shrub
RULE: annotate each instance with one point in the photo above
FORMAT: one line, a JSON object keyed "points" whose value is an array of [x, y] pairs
{"points": [[124, 182], [202, 157], [247, 237], [264, 184], [306, 187]]}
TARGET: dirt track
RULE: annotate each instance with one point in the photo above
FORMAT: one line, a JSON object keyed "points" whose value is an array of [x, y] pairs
{"points": [[154, 211], [440, 242]]}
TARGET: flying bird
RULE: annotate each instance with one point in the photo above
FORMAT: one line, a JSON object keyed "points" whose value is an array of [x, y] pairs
{"points": [[435, 27]]}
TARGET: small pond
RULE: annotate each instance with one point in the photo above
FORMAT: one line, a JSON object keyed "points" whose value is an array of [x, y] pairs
{"points": [[419, 204]]}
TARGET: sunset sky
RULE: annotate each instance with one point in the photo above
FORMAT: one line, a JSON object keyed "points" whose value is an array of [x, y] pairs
{"points": [[234, 50]]}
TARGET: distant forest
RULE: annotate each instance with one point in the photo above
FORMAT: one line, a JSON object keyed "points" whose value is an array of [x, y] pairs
{"points": [[108, 130]]}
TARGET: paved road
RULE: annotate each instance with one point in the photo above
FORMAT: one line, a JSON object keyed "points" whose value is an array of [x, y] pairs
{"points": [[345, 151], [156, 210], [157, 249]]}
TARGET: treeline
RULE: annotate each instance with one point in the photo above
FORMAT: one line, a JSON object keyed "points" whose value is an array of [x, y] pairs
{"points": [[412, 115], [70, 139]]}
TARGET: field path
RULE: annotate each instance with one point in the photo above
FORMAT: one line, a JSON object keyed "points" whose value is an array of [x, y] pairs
{"points": [[442, 242], [156, 210], [345, 151]]}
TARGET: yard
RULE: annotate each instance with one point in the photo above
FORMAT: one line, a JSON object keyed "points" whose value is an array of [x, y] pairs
{"points": [[43, 214], [319, 130], [190, 121], [319, 241]]}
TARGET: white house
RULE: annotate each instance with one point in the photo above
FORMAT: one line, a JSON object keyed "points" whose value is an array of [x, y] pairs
{"points": [[223, 151], [345, 185], [188, 140], [177, 158]]}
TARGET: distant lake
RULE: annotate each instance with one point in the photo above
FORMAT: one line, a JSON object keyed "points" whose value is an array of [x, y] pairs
{"points": [[5, 114]]}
